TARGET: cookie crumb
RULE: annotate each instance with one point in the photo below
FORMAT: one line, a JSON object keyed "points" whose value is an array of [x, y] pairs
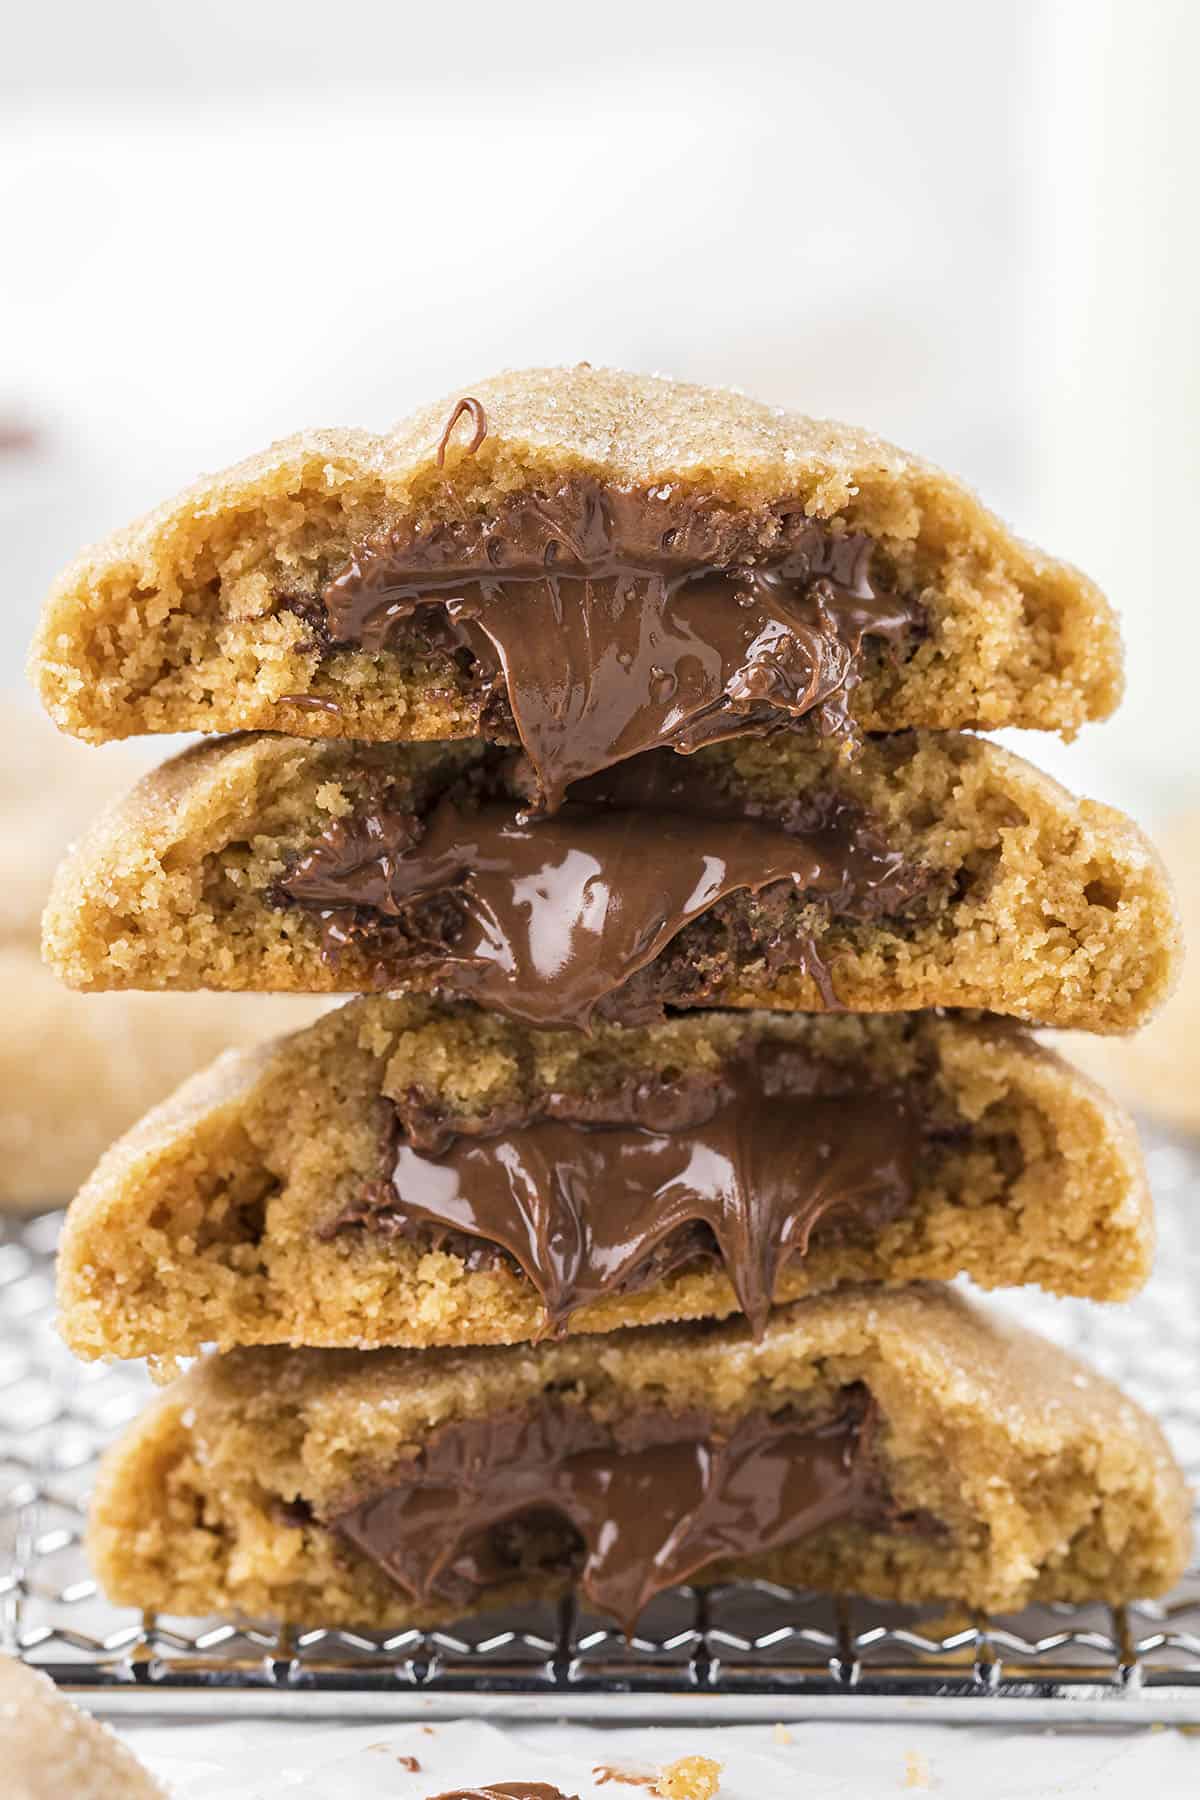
{"points": [[916, 1770], [691, 1778], [782, 1735], [410, 1763]]}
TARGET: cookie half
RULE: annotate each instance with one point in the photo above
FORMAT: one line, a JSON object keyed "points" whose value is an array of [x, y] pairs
{"points": [[934, 869], [408, 1173], [897, 1444], [54, 790], [589, 562]]}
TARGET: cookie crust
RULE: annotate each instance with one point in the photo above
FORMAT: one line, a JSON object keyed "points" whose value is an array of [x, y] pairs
{"points": [[51, 1747]]}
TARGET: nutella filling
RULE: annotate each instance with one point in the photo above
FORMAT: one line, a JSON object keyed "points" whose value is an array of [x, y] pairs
{"points": [[650, 1499], [611, 621], [592, 1199], [550, 920]]}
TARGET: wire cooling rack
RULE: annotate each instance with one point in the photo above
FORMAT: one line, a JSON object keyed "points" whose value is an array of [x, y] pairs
{"points": [[750, 1650]]}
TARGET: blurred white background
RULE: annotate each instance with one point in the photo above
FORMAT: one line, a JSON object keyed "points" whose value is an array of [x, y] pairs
{"points": [[971, 227]]}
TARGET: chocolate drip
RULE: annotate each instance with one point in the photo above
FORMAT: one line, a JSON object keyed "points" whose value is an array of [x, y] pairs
{"points": [[741, 1174], [478, 424], [617, 621], [655, 1498], [552, 918]]}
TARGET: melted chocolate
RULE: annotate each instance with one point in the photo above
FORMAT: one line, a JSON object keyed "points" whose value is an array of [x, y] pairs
{"points": [[311, 703], [739, 1171], [654, 1498], [478, 432], [507, 1790], [552, 918], [655, 1103], [613, 621]]}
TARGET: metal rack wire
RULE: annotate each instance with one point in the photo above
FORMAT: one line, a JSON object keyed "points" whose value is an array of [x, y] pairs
{"points": [[750, 1650]]}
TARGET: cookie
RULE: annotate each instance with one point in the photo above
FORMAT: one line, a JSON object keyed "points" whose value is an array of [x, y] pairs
{"points": [[898, 1444], [54, 790], [50, 1749], [75, 1073], [409, 1173], [77, 1070], [931, 870], [588, 562], [1157, 1070]]}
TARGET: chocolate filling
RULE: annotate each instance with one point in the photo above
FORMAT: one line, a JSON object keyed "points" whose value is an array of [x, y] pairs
{"points": [[611, 1195], [554, 920], [650, 1499], [609, 621]]}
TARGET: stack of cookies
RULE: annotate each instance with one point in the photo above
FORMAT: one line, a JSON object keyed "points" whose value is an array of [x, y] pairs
{"points": [[606, 737]]}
